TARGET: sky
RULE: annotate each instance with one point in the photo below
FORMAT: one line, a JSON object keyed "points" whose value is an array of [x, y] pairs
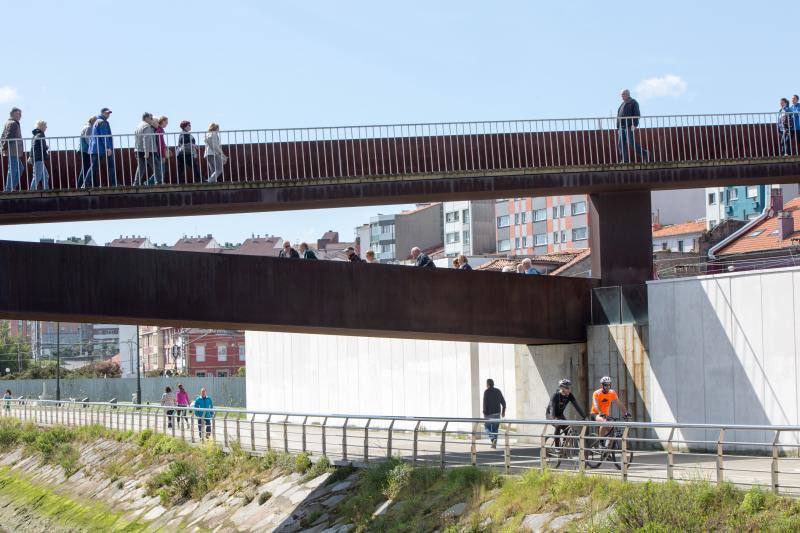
{"points": [[255, 64]]}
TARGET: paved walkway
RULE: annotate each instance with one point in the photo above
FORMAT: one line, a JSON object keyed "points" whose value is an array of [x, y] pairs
{"points": [[364, 445]]}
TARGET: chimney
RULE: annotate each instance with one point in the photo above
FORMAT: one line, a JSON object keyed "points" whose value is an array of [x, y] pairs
{"points": [[786, 224], [776, 200]]}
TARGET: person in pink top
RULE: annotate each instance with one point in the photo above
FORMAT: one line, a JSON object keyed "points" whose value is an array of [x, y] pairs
{"points": [[182, 400]]}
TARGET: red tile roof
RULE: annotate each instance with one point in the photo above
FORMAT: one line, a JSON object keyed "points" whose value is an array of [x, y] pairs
{"points": [[575, 260], [765, 234], [130, 242], [686, 228], [497, 265], [263, 246], [196, 244]]}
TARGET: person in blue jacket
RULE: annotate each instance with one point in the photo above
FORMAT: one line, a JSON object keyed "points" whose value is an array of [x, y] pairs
{"points": [[202, 405], [101, 148], [795, 108]]}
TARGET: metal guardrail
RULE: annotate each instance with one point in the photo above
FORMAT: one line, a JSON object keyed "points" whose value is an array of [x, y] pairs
{"points": [[332, 153], [744, 455]]}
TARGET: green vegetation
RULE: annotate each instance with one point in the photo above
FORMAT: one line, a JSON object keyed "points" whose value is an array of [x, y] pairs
{"points": [[90, 515]]}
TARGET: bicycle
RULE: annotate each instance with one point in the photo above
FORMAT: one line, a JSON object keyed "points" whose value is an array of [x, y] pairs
{"points": [[605, 449], [567, 449]]}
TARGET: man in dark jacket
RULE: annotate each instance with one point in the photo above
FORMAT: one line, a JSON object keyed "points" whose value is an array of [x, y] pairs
{"points": [[558, 404], [627, 121], [494, 408], [352, 256], [422, 259], [39, 155], [306, 252], [101, 148], [288, 252], [13, 148]]}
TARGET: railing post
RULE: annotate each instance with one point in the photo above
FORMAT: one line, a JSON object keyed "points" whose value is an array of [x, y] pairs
{"points": [[624, 448], [225, 430], [670, 456], [183, 418], [775, 456], [582, 449], [389, 440], [253, 432], [305, 419], [324, 436], [344, 439], [720, 465], [366, 441], [442, 450], [415, 444], [238, 430], [286, 434], [543, 448], [507, 450], [473, 445], [192, 425], [269, 437]]}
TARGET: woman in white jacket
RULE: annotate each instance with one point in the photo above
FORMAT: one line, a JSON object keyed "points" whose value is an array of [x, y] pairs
{"points": [[215, 157]]}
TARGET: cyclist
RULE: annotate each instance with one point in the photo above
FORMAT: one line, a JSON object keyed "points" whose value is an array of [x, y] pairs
{"points": [[558, 404], [602, 399]]}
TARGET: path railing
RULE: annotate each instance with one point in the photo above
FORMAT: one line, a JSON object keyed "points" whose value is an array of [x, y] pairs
{"points": [[371, 152], [744, 455]]}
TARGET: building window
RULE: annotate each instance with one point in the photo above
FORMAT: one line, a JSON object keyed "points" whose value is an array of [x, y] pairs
{"points": [[516, 219], [222, 374], [524, 217], [465, 216], [562, 211], [452, 216], [579, 234], [200, 374], [241, 352], [712, 198], [555, 237], [516, 243], [540, 239], [752, 191], [578, 208], [680, 246], [503, 221], [453, 237], [563, 235], [733, 194], [503, 245], [664, 246], [539, 215], [200, 353], [524, 241], [555, 211], [222, 352], [712, 224]]}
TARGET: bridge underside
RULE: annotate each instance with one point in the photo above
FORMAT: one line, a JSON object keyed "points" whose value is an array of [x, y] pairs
{"points": [[242, 197], [153, 287]]}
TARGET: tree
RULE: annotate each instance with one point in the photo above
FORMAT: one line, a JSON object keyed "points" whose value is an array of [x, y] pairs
{"points": [[15, 353]]}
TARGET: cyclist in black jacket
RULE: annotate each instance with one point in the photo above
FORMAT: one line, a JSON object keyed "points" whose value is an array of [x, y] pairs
{"points": [[558, 404]]}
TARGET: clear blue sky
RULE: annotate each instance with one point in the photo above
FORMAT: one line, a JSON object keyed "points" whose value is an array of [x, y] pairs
{"points": [[254, 64]]}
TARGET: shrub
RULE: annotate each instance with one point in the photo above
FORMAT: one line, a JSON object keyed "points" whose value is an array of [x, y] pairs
{"points": [[398, 479], [302, 463], [178, 480], [754, 501], [9, 435], [322, 466], [263, 497]]}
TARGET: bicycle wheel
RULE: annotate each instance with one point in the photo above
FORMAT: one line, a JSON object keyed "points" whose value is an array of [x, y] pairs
{"points": [[552, 453], [595, 453], [569, 452], [616, 451]]}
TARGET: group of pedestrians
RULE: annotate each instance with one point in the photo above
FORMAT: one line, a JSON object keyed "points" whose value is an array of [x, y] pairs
{"points": [[179, 402], [96, 153]]}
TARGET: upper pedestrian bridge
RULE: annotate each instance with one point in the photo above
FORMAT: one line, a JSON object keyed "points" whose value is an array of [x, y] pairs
{"points": [[282, 169]]}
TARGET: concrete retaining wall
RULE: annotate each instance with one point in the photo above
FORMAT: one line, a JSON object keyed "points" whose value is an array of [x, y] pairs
{"points": [[229, 392]]}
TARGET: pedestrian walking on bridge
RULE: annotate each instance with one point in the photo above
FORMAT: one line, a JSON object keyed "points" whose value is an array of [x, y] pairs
{"points": [[203, 413]]}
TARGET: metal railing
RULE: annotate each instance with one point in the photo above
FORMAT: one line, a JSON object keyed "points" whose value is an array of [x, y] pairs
{"points": [[355, 152], [745, 455]]}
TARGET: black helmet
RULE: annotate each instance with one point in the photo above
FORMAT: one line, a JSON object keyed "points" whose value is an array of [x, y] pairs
{"points": [[565, 383]]}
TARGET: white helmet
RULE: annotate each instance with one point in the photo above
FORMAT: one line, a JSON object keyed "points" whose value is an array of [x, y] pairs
{"points": [[605, 380]]}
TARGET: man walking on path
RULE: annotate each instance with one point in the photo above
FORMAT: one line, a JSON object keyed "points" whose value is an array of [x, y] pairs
{"points": [[13, 148], [101, 147], [494, 407], [627, 121]]}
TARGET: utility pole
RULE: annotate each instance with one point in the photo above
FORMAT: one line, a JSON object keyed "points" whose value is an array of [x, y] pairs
{"points": [[138, 368], [58, 361]]}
